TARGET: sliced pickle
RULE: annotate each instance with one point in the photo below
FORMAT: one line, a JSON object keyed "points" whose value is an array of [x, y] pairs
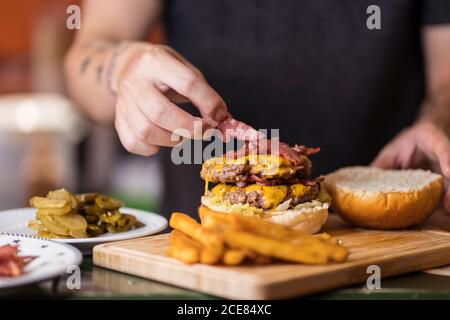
{"points": [[51, 235], [74, 202], [85, 198], [53, 226], [108, 203], [125, 223], [79, 234], [55, 212], [60, 194], [62, 214], [63, 194], [72, 221], [110, 217], [93, 209], [95, 230], [35, 225], [91, 218], [127, 220], [45, 203]]}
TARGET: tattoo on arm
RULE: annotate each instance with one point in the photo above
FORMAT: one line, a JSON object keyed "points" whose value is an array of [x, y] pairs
{"points": [[100, 45], [112, 65], [99, 73], [86, 62]]}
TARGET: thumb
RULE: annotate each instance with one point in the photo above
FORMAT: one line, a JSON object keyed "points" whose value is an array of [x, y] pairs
{"points": [[447, 200], [386, 158]]}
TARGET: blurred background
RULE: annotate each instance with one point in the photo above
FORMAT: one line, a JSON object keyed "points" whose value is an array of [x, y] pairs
{"points": [[45, 143]]}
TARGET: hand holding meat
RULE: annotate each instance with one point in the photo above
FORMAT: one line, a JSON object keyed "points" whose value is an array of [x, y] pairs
{"points": [[148, 81]]}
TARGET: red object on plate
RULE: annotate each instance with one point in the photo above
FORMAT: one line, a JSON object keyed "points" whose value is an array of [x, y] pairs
{"points": [[12, 265]]}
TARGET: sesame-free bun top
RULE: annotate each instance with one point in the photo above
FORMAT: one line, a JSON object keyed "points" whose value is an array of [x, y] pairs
{"points": [[384, 199]]}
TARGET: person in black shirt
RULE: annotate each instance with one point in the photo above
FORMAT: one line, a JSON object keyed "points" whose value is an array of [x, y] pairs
{"points": [[316, 69]]}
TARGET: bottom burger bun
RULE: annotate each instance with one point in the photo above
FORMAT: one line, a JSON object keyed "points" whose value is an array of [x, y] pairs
{"points": [[384, 199], [308, 219]]}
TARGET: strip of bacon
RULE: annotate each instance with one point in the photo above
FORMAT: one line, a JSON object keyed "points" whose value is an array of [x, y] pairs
{"points": [[273, 182], [274, 147], [302, 149], [256, 143], [12, 265], [8, 252], [10, 269], [234, 129]]}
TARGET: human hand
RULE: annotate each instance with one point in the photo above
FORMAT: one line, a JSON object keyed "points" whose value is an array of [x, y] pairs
{"points": [[423, 145], [148, 81]]}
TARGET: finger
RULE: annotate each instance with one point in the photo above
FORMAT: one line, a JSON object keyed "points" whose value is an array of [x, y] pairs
{"points": [[172, 95], [386, 158], [192, 85], [167, 115], [129, 141], [447, 200], [143, 128], [435, 142], [182, 59], [442, 152]]}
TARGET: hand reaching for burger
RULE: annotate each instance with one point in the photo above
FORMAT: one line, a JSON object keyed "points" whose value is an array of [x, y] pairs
{"points": [[423, 145]]}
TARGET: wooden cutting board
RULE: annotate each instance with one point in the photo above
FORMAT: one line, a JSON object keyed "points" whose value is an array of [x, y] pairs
{"points": [[395, 252]]}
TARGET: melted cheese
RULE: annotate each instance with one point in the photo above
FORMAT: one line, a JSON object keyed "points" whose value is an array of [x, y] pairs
{"points": [[269, 165], [266, 165], [221, 189], [273, 195], [298, 189], [206, 186]]}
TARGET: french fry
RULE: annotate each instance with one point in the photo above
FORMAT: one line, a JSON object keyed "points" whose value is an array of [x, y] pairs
{"points": [[321, 242], [260, 259], [179, 237], [327, 237], [233, 257], [256, 258], [213, 223], [262, 227], [335, 251], [219, 218], [213, 247], [206, 254], [184, 248], [184, 252], [193, 229], [232, 238], [288, 251]]}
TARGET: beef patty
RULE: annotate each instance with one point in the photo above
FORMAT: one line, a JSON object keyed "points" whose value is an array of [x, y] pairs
{"points": [[261, 169]]}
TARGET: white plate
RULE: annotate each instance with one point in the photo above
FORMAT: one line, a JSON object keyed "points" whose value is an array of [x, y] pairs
{"points": [[52, 259], [16, 221]]}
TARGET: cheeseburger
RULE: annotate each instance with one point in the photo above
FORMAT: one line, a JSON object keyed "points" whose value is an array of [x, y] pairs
{"points": [[275, 185]]}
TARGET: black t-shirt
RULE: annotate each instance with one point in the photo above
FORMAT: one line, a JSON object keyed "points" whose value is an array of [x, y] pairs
{"points": [[311, 68]]}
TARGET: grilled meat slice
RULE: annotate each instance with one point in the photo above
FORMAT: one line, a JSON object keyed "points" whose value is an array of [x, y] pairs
{"points": [[267, 197], [237, 195], [309, 194], [254, 168]]}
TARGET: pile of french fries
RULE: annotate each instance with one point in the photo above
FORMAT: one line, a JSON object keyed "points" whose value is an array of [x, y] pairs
{"points": [[234, 239]]}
